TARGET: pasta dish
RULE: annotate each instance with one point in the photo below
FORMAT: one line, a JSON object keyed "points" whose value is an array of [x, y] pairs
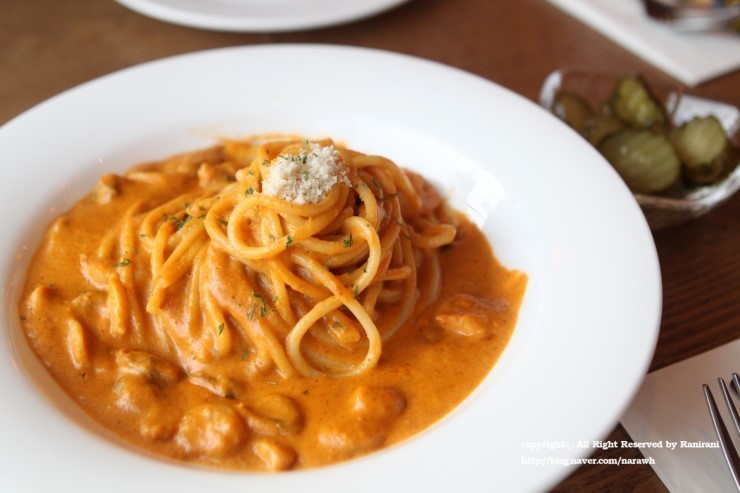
{"points": [[267, 304]]}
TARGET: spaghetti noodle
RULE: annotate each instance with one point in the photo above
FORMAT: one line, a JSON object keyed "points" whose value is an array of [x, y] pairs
{"points": [[351, 257]]}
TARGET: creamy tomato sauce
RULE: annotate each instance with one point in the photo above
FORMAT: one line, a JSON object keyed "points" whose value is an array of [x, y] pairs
{"points": [[145, 394]]}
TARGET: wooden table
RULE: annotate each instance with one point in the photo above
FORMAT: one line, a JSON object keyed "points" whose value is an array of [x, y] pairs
{"points": [[47, 46]]}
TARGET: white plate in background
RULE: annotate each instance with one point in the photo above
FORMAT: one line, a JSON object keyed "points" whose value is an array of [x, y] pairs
{"points": [[259, 15], [548, 202]]}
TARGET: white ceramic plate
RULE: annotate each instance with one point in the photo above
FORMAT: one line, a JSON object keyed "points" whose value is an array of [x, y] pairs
{"points": [[259, 15], [547, 201]]}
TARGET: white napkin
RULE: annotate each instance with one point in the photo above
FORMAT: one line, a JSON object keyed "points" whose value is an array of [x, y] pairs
{"points": [[670, 406], [691, 58]]}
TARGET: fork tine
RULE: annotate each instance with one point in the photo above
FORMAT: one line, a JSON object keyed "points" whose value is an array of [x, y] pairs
{"points": [[736, 382], [730, 404], [731, 455]]}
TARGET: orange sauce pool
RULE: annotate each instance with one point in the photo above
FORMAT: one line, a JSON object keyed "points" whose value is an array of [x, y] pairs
{"points": [[266, 422]]}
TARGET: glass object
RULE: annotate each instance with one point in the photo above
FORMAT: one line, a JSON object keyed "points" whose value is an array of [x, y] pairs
{"points": [[688, 202]]}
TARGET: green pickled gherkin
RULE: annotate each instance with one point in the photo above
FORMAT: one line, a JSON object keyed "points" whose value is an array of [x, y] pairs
{"points": [[701, 145], [635, 132], [632, 103], [644, 159], [603, 126], [573, 110]]}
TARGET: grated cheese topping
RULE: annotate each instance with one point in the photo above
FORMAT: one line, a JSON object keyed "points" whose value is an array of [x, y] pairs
{"points": [[306, 177]]}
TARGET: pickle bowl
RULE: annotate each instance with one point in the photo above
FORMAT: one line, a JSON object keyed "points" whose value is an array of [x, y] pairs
{"points": [[684, 202]]}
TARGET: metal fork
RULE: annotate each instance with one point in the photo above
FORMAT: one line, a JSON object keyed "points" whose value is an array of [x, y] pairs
{"points": [[725, 441], [688, 15]]}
